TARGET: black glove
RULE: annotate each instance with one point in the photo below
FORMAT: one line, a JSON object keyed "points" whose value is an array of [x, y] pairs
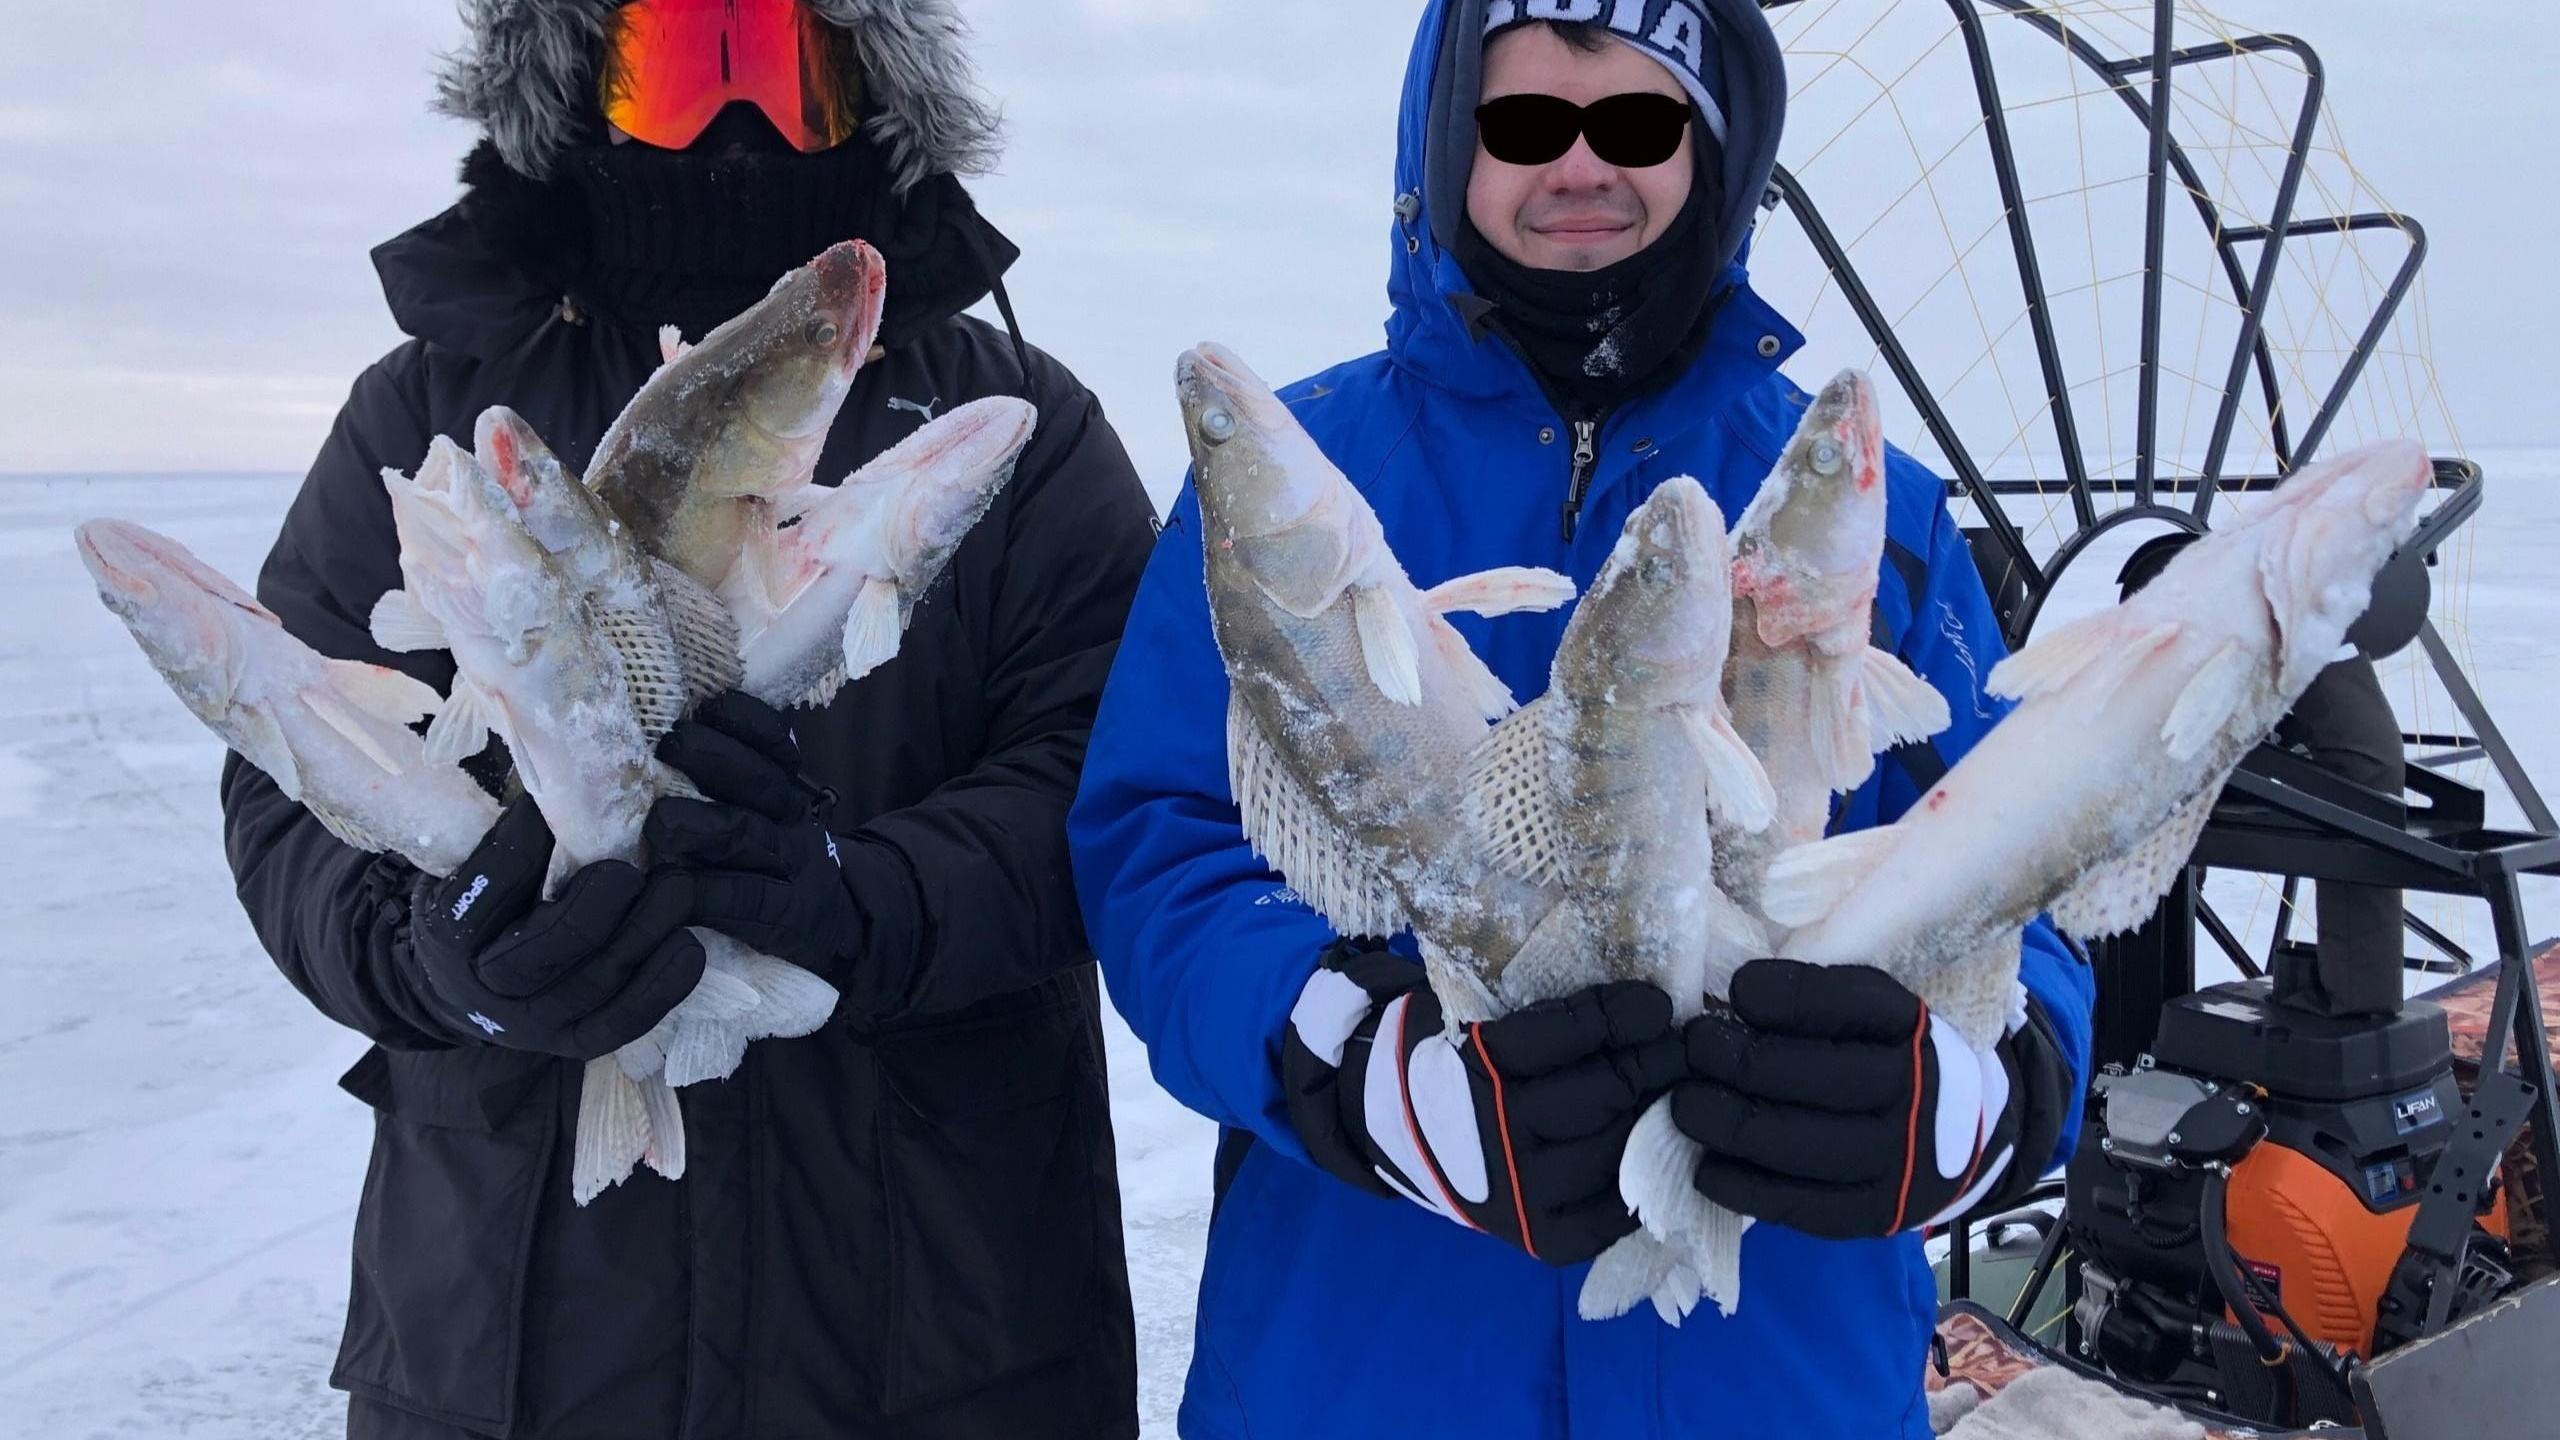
{"points": [[1513, 1127], [581, 975], [764, 868], [1831, 1101]]}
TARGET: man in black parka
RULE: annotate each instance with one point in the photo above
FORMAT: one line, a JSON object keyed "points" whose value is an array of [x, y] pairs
{"points": [[907, 1224]]}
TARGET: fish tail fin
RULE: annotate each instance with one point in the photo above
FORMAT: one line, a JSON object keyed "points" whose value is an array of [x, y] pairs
{"points": [[666, 1152], [1658, 1179], [1806, 883], [613, 1130]]}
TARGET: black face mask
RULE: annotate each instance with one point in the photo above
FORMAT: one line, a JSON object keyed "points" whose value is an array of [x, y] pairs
{"points": [[644, 237], [1599, 338]]}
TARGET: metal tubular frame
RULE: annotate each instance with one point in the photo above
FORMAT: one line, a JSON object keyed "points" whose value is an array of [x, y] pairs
{"points": [[2278, 815]]}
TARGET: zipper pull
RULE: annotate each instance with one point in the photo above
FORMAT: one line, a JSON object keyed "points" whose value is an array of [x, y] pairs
{"points": [[1586, 450]]}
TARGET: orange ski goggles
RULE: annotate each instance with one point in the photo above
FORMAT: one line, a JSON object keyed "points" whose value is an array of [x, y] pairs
{"points": [[669, 66]]}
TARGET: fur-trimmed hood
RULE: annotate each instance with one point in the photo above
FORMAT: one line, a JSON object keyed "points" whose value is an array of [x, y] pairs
{"points": [[526, 76]]}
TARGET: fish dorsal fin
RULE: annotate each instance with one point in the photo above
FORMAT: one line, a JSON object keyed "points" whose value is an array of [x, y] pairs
{"points": [[1329, 870], [1901, 707], [461, 728], [1808, 882], [1484, 690], [2120, 893], [401, 625], [653, 672], [1738, 789], [1504, 591], [706, 634], [1386, 644], [364, 731], [1511, 798], [671, 344], [2216, 692], [2053, 661], [872, 628]]}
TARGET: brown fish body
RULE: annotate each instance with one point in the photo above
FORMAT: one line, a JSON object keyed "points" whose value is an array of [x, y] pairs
{"points": [[729, 426]]}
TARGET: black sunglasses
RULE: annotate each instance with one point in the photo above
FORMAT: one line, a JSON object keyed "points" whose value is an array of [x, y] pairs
{"points": [[1634, 131]]}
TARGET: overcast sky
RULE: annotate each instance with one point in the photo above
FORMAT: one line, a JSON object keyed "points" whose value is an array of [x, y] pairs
{"points": [[187, 195]]}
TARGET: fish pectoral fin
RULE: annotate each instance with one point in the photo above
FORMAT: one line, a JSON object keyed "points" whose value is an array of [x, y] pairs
{"points": [[1732, 931], [2050, 662], [671, 344], [1840, 726], [1555, 961], [872, 628], [401, 625], [461, 728], [2120, 893], [1511, 800], [1808, 882], [329, 706], [2212, 697], [1738, 789], [384, 693], [1386, 644], [1504, 591], [1484, 690], [1298, 838], [1901, 707]]}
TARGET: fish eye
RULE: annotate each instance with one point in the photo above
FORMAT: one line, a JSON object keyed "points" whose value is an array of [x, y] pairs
{"points": [[822, 331], [1217, 426], [1826, 457]]}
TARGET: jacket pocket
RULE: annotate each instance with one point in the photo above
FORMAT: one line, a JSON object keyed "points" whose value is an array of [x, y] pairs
{"points": [[991, 1145], [435, 1313]]}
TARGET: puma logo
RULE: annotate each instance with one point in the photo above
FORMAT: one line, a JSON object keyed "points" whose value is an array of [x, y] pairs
{"points": [[463, 906], [926, 409]]}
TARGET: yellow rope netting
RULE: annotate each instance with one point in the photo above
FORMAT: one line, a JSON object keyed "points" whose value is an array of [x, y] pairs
{"points": [[1887, 137]]}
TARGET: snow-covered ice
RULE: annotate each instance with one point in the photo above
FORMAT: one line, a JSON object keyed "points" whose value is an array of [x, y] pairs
{"points": [[178, 1170]]}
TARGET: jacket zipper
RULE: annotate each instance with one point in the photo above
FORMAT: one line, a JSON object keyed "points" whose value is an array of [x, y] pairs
{"points": [[1586, 454]]}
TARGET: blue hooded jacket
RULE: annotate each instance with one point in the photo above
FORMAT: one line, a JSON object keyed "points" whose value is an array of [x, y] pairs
{"points": [[1324, 1310]]}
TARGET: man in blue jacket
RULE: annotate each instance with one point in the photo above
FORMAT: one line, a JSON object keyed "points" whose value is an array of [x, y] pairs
{"points": [[1403, 1218]]}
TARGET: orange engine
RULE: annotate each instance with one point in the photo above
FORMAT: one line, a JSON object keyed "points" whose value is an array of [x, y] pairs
{"points": [[2305, 1232]]}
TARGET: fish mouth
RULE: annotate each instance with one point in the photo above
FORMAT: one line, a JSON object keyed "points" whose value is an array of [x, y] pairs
{"points": [[135, 561], [120, 557], [1212, 377], [504, 442], [853, 286], [1686, 515]]}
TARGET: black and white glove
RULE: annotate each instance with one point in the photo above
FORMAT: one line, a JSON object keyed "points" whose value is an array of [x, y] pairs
{"points": [[765, 871], [1829, 1100], [579, 975], [1513, 1127]]}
